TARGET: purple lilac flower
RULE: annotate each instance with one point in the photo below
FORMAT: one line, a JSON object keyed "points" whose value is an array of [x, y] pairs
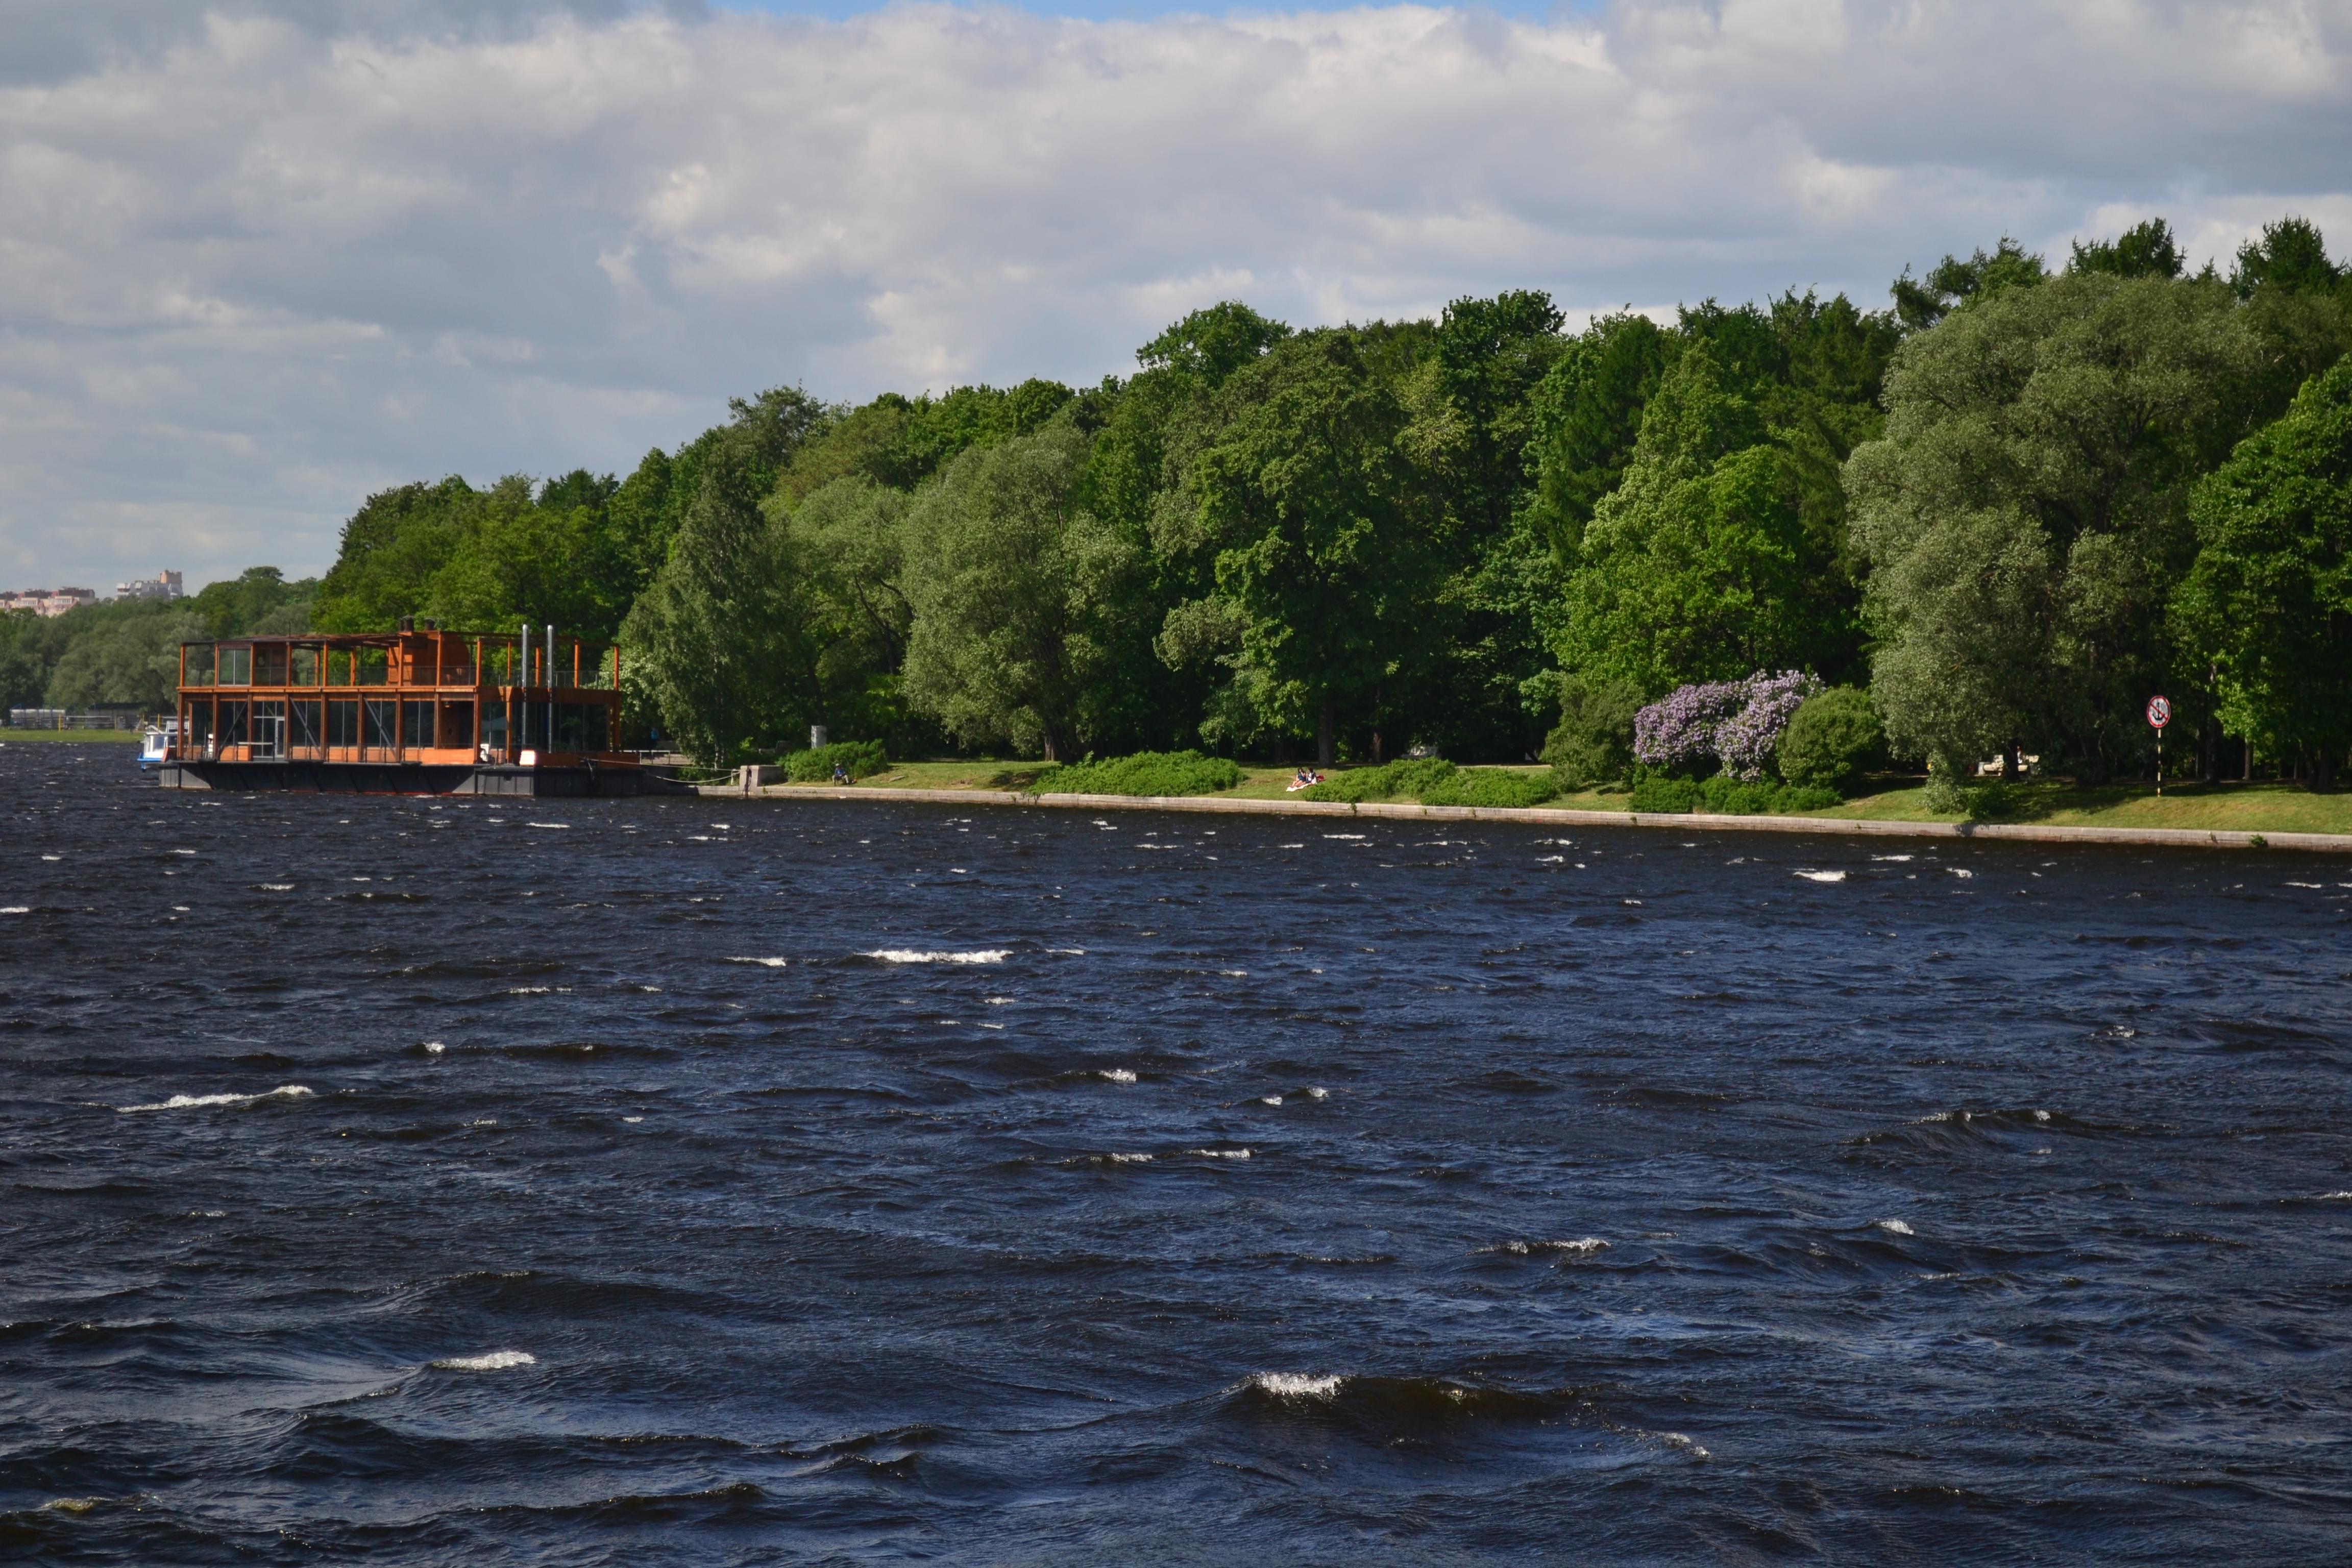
{"points": [[1680, 728], [1737, 724], [1748, 740]]}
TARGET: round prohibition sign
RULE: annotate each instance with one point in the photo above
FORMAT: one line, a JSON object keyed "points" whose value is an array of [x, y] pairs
{"points": [[2159, 712]]}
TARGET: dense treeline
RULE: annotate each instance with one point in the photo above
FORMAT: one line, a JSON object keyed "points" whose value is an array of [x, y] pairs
{"points": [[2011, 507], [127, 651]]}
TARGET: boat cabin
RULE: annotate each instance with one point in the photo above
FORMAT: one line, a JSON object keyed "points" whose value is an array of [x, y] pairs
{"points": [[417, 696]]}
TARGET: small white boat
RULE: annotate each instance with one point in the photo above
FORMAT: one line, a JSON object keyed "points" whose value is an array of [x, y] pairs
{"points": [[155, 744]]}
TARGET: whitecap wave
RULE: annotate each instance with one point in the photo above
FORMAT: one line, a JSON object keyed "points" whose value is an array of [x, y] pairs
{"points": [[1894, 1227], [193, 1102], [1117, 1075], [547, 824], [276, 887], [1130, 1158], [1822, 876], [1894, 858], [493, 1361], [15, 909], [1582, 1246], [433, 1047], [1343, 836], [1960, 871], [765, 963], [1295, 1384], [912, 955], [1221, 1154]]}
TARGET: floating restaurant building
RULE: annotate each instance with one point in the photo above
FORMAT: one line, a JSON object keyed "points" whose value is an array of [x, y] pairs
{"points": [[416, 711]]}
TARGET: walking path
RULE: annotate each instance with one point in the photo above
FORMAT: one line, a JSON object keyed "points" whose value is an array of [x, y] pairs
{"points": [[2190, 838]]}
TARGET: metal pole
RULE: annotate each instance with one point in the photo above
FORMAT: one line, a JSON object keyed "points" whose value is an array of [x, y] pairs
{"points": [[551, 687]]}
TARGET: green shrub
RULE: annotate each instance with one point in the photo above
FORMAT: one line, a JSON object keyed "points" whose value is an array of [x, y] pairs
{"points": [[1594, 741], [1491, 786], [1830, 739], [1727, 796], [1144, 772], [862, 758], [1411, 776], [1663, 792], [1724, 795]]}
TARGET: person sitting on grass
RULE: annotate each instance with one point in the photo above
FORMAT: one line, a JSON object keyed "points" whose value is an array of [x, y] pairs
{"points": [[841, 773]]}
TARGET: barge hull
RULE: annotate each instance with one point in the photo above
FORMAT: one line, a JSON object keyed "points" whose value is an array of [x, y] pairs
{"points": [[408, 778]]}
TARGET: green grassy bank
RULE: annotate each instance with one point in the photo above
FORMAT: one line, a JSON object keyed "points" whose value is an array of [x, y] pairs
{"points": [[2227, 807], [123, 737]]}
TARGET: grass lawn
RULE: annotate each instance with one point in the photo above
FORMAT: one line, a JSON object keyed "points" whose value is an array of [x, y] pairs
{"points": [[9, 737], [2241, 807]]}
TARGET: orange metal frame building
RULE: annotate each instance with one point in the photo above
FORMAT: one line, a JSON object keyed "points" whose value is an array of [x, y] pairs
{"points": [[415, 697]]}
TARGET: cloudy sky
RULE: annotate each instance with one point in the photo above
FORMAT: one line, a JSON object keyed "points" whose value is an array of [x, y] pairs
{"points": [[261, 257]]}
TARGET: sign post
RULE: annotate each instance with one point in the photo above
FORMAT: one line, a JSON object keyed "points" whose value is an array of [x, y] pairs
{"points": [[2159, 714]]}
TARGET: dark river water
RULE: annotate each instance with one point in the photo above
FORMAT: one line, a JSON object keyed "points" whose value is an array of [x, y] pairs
{"points": [[716, 1182]]}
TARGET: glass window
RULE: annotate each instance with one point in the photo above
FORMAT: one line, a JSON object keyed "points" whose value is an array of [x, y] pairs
{"points": [[579, 727], [236, 666], [416, 724], [303, 666], [379, 718], [200, 663], [302, 724], [231, 723], [342, 723], [456, 723], [269, 664], [200, 724]]}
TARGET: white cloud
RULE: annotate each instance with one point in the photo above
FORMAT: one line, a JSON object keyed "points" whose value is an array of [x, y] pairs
{"points": [[254, 263]]}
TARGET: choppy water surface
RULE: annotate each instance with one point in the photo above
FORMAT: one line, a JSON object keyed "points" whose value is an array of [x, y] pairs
{"points": [[721, 1181]]}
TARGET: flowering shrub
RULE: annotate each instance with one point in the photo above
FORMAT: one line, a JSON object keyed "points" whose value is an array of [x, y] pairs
{"points": [[1680, 729], [1737, 724]]}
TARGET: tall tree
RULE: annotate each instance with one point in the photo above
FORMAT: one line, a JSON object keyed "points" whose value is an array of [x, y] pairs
{"points": [[1320, 531], [1017, 592], [1698, 567], [2029, 503], [2268, 601]]}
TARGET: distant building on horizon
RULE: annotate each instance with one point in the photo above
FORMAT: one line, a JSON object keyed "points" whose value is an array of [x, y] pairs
{"points": [[50, 601], [163, 585]]}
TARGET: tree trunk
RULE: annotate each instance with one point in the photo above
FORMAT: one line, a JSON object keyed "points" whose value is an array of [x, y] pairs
{"points": [[1378, 751], [2321, 777], [1053, 750], [1326, 737], [2009, 762]]}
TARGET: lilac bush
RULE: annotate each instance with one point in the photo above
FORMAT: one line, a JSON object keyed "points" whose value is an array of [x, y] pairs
{"points": [[1680, 728], [1737, 724], [1748, 740]]}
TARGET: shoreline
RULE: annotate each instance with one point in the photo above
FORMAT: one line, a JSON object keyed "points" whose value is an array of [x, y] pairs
{"points": [[2022, 832]]}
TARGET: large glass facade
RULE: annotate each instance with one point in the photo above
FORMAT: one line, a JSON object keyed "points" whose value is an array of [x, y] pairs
{"points": [[380, 720], [343, 723]]}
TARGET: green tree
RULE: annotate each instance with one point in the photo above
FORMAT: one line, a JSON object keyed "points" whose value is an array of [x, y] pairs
{"points": [[123, 653], [1017, 592], [2292, 255], [850, 539], [2144, 250], [258, 599], [722, 636], [1700, 567], [2268, 601], [1953, 282], [1585, 418], [2029, 500], [391, 549], [1320, 533]]}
